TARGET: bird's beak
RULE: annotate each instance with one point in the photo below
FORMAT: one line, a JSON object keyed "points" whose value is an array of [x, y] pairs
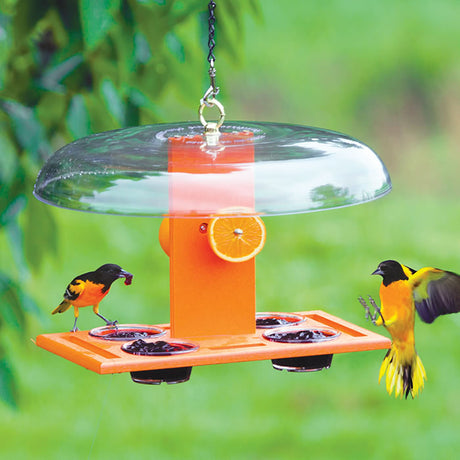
{"points": [[127, 276], [377, 272]]}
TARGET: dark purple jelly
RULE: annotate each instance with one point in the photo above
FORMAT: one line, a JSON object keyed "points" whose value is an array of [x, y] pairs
{"points": [[126, 332], [301, 336], [271, 321], [160, 347], [128, 335]]}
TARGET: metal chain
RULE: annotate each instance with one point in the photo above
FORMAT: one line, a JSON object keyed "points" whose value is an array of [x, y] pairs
{"points": [[209, 98], [212, 30], [211, 46]]}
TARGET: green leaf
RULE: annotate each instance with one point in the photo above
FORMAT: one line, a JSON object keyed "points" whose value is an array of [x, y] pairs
{"points": [[113, 102], [11, 212], [16, 239], [30, 306], [142, 51], [8, 390], [8, 159], [122, 38], [19, 301], [38, 245], [10, 306], [97, 17], [139, 99], [51, 79], [77, 119], [5, 46], [175, 46], [27, 128]]}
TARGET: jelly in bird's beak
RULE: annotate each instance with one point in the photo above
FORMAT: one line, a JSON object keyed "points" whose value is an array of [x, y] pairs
{"points": [[127, 276]]}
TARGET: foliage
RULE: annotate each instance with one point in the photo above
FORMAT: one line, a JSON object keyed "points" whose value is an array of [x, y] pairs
{"points": [[68, 69]]}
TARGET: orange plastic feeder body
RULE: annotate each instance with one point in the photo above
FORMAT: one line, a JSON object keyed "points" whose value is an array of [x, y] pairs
{"points": [[208, 295]]}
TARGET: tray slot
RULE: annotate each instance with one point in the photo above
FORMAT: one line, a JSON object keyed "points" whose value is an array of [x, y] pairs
{"points": [[92, 348], [340, 327]]}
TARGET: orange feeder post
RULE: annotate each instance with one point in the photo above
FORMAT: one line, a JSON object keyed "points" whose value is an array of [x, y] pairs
{"points": [[209, 296]]}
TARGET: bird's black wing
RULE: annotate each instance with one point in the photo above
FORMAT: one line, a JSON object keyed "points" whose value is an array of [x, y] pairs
{"points": [[76, 287], [436, 292]]}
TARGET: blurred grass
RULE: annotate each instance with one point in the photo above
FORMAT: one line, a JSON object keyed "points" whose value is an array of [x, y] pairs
{"points": [[386, 73]]}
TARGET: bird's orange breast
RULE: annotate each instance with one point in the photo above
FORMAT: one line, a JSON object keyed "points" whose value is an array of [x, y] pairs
{"points": [[91, 294]]}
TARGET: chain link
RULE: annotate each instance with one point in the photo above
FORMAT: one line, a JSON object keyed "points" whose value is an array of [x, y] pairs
{"points": [[209, 98], [213, 91], [212, 30]]}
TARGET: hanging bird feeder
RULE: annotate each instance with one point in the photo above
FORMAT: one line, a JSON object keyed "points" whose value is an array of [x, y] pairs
{"points": [[211, 183]]}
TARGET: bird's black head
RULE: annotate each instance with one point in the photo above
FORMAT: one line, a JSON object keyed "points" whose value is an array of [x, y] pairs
{"points": [[110, 272], [390, 271]]}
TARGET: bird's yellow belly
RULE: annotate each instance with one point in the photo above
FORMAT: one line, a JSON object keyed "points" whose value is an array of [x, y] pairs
{"points": [[397, 309]]}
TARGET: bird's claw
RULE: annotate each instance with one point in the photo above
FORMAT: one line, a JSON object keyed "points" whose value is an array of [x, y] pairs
{"points": [[75, 328], [373, 317], [108, 322], [113, 323]]}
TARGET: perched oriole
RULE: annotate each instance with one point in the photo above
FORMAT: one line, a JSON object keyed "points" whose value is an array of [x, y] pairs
{"points": [[90, 288], [430, 291]]}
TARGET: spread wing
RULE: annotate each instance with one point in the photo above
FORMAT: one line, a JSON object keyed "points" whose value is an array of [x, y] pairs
{"points": [[436, 292]]}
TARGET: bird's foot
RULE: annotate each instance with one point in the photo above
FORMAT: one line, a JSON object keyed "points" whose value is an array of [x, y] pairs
{"points": [[112, 323], [108, 322], [377, 313], [75, 328]]}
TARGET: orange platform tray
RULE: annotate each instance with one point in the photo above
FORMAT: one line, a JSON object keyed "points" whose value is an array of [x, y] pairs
{"points": [[107, 357]]}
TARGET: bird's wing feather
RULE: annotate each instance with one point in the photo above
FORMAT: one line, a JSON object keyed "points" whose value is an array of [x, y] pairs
{"points": [[407, 270], [74, 289], [436, 292]]}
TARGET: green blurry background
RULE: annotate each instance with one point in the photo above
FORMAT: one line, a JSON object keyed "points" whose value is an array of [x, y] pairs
{"points": [[386, 73]]}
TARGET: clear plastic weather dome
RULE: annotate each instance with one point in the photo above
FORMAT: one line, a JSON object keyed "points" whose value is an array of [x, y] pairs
{"points": [[292, 169]]}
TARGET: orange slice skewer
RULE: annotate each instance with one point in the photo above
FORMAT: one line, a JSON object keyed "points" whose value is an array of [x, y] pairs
{"points": [[236, 239]]}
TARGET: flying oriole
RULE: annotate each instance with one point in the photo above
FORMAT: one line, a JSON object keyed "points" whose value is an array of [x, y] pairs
{"points": [[89, 289], [430, 291]]}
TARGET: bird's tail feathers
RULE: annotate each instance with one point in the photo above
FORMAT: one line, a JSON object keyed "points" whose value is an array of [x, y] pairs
{"points": [[405, 377], [62, 307]]}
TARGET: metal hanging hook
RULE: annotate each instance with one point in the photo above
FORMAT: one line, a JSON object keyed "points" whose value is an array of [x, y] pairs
{"points": [[212, 77], [211, 103]]}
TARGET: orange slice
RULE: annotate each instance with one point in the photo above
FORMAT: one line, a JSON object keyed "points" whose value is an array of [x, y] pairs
{"points": [[236, 239]]}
